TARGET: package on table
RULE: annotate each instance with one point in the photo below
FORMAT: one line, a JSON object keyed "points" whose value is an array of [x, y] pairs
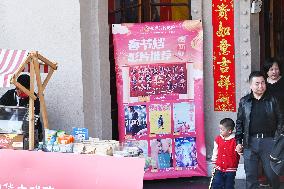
{"points": [[80, 134], [11, 141]]}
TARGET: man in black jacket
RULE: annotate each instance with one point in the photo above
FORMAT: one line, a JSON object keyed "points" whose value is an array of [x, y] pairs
{"points": [[15, 97], [259, 120]]}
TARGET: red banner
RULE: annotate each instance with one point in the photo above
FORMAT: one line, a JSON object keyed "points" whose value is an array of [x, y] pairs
{"points": [[165, 11], [223, 55]]}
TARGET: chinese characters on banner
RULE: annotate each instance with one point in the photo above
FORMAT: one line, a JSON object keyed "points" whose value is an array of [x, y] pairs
{"points": [[159, 71], [223, 55]]}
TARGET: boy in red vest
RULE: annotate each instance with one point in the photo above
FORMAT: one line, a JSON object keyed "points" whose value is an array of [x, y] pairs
{"points": [[225, 157]]}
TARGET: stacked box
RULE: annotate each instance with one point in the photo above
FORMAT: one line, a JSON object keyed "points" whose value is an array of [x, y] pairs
{"points": [[11, 141]]}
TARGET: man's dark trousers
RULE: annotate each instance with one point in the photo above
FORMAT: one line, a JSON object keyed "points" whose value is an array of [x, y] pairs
{"points": [[259, 149]]}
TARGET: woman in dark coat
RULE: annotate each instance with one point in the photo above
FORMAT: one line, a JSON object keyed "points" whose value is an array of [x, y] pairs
{"points": [[275, 81]]}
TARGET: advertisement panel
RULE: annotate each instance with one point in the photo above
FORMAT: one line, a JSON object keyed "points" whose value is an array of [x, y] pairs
{"points": [[159, 72]]}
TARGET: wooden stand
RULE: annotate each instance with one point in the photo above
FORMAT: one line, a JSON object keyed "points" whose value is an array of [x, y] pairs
{"points": [[34, 60]]}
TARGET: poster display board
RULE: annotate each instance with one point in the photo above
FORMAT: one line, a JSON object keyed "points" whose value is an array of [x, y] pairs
{"points": [[159, 72]]}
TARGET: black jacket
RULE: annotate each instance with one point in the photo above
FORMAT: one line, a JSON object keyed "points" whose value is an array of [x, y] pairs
{"points": [[10, 99], [243, 117]]}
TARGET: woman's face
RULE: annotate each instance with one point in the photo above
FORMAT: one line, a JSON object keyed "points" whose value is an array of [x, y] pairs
{"points": [[274, 72]]}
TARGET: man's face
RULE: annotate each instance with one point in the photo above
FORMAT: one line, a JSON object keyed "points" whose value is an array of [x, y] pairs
{"points": [[257, 85]]}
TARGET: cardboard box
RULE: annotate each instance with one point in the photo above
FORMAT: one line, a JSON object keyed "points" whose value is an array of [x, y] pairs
{"points": [[11, 141]]}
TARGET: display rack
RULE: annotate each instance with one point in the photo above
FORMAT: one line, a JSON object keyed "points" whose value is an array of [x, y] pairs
{"points": [[32, 64]]}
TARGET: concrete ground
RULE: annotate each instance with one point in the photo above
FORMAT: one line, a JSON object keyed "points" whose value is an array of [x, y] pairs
{"points": [[190, 183]]}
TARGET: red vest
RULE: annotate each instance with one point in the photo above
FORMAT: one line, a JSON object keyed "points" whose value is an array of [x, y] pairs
{"points": [[226, 159]]}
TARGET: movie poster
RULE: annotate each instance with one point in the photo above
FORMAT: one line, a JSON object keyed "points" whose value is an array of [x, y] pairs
{"points": [[185, 152], [160, 118], [161, 154], [135, 120], [184, 117], [159, 72]]}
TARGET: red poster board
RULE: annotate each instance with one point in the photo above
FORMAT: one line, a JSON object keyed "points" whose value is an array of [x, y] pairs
{"points": [[159, 69]]}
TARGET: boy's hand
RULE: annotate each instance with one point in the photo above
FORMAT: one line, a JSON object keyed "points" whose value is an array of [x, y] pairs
{"points": [[239, 149]]}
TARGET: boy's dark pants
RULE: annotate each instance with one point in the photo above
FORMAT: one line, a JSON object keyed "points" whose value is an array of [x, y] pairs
{"points": [[224, 180]]}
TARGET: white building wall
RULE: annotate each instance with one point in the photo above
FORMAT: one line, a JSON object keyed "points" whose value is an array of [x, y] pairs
{"points": [[96, 68], [53, 28]]}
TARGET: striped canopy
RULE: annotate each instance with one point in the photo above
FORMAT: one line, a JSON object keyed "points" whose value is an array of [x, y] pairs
{"points": [[10, 60]]}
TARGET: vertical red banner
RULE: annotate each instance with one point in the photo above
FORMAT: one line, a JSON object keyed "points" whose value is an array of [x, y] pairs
{"points": [[223, 55]]}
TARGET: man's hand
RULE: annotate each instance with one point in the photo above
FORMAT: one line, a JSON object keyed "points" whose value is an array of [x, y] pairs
{"points": [[239, 149]]}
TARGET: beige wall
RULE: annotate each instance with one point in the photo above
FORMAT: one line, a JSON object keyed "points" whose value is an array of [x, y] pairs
{"points": [[53, 28], [75, 34]]}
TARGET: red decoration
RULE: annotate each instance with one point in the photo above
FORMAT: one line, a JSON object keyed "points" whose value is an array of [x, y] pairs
{"points": [[165, 11], [223, 55]]}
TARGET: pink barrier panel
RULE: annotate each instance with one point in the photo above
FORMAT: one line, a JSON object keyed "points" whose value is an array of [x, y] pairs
{"points": [[41, 170]]}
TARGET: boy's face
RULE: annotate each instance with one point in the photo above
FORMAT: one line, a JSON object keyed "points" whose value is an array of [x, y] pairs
{"points": [[224, 132]]}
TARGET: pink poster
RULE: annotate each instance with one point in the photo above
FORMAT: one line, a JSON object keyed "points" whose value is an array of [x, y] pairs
{"points": [[159, 72]]}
